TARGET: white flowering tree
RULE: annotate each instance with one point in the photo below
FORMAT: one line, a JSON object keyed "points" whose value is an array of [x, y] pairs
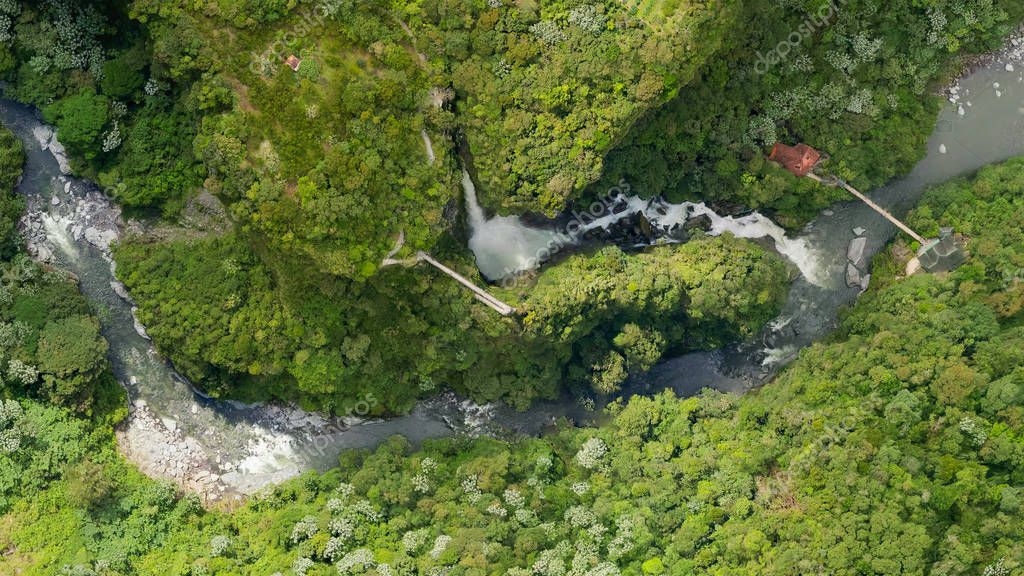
{"points": [[9, 9], [69, 39], [11, 433], [592, 454], [220, 545]]}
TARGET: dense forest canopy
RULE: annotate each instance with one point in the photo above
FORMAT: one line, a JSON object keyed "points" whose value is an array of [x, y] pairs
{"points": [[544, 90], [158, 98], [327, 129], [854, 79], [895, 448], [214, 306], [323, 167]]}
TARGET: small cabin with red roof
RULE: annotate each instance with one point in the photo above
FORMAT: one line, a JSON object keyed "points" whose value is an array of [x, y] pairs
{"points": [[293, 62], [797, 159]]}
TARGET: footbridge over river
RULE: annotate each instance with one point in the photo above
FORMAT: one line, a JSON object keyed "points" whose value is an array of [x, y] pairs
{"points": [[479, 293], [934, 255]]}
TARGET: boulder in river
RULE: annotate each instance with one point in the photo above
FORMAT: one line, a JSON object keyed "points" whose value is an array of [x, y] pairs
{"points": [[853, 276], [139, 327], [41, 253], [47, 139], [702, 222], [855, 252], [100, 238], [43, 134], [119, 288], [726, 208], [678, 233], [645, 227]]}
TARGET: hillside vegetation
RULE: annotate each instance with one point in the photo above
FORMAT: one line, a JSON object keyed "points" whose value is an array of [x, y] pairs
{"points": [[856, 79], [321, 168], [588, 323], [329, 160], [896, 448], [543, 90]]}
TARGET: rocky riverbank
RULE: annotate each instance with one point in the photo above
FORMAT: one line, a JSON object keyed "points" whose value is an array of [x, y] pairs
{"points": [[220, 450], [1010, 58], [160, 450]]}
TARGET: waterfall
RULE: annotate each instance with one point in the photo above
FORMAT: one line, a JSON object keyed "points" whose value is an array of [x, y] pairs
{"points": [[504, 245], [428, 145], [477, 219], [231, 439]]}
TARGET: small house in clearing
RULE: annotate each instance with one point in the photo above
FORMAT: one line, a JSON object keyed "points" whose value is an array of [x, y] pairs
{"points": [[797, 159], [293, 62]]}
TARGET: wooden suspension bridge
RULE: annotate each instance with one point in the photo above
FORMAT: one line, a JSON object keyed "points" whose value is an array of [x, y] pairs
{"points": [[479, 293], [885, 213], [934, 255]]}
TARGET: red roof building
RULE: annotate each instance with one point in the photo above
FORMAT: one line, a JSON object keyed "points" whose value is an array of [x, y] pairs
{"points": [[797, 159], [293, 62]]}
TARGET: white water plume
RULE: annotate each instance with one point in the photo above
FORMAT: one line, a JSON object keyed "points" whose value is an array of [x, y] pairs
{"points": [[428, 146], [58, 235], [504, 245], [752, 226], [779, 356]]}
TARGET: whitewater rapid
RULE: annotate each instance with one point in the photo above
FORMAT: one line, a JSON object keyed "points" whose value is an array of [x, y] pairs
{"points": [[505, 245]]}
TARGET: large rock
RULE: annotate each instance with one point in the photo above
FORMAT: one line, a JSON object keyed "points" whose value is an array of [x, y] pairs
{"points": [[43, 134], [100, 238], [853, 276], [119, 288], [702, 222], [678, 233], [57, 149], [855, 252], [726, 208], [139, 327], [42, 254], [47, 139]]}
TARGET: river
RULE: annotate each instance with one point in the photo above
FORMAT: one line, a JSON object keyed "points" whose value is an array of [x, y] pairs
{"points": [[225, 449]]}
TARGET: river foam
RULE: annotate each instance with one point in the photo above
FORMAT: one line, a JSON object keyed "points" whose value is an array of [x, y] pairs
{"points": [[505, 245]]}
